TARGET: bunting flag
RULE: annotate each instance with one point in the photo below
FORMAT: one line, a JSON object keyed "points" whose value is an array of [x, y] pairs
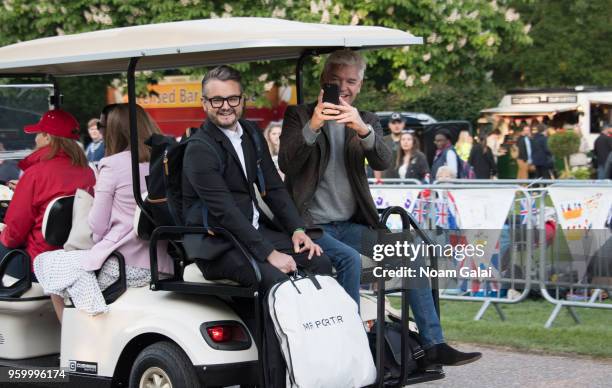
{"points": [[481, 215], [395, 196], [582, 215]]}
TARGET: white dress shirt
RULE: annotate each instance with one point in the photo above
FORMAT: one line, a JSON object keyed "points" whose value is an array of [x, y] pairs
{"points": [[235, 138]]}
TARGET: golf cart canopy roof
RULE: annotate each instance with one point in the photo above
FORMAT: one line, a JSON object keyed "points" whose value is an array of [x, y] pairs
{"points": [[206, 42]]}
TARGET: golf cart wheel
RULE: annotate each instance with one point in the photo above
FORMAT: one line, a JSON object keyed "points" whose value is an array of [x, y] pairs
{"points": [[163, 365]]}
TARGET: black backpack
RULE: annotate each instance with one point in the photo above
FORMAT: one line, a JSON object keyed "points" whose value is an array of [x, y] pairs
{"points": [[164, 182]]}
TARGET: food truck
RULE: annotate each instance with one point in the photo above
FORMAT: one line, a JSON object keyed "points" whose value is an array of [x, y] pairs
{"points": [[588, 107]]}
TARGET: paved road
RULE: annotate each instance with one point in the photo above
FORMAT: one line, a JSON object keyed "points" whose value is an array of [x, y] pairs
{"points": [[504, 368]]}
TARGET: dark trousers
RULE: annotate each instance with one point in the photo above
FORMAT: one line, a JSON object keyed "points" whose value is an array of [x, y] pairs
{"points": [[234, 266], [544, 172]]}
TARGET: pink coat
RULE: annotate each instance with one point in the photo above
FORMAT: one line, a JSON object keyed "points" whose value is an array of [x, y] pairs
{"points": [[112, 217]]}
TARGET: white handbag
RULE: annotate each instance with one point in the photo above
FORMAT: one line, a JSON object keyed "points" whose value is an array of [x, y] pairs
{"points": [[80, 234], [321, 334]]}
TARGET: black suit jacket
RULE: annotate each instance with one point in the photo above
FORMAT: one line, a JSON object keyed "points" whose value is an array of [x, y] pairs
{"points": [[522, 148], [229, 194]]}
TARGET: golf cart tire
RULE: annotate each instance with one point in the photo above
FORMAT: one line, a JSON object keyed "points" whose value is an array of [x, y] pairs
{"points": [[168, 357]]}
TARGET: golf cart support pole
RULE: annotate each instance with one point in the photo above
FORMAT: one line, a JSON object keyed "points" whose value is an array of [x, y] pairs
{"points": [[131, 81]]}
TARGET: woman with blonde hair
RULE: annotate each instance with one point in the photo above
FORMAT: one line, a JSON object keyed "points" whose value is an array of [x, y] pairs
{"points": [[464, 145], [72, 273], [272, 135], [56, 168]]}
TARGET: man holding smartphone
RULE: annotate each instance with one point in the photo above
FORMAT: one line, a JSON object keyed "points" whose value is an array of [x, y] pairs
{"points": [[323, 148]]}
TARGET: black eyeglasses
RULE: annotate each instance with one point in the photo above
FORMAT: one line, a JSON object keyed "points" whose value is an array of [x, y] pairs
{"points": [[217, 102]]}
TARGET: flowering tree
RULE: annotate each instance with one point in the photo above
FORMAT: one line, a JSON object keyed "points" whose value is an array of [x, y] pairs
{"points": [[462, 37]]}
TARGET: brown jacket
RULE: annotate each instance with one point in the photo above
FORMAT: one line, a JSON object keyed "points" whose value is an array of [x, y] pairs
{"points": [[304, 165]]}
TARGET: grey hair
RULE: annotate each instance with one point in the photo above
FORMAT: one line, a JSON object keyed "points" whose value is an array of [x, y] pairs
{"points": [[345, 57], [222, 73]]}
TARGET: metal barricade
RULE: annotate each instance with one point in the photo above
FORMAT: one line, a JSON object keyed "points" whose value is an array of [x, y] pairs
{"points": [[516, 275], [559, 280], [534, 264]]}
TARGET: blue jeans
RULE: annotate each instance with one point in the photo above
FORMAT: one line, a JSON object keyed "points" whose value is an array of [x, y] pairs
{"points": [[342, 242]]}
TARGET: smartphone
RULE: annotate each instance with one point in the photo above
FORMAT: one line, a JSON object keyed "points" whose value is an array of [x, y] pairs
{"points": [[331, 93]]}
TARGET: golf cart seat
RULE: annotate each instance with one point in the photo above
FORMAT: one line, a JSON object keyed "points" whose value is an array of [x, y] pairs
{"points": [[190, 272], [28, 324], [193, 274]]}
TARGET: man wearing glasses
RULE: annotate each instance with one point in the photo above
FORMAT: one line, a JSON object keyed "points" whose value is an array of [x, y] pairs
{"points": [[221, 167]]}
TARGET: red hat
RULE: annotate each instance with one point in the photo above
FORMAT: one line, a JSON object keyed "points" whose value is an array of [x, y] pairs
{"points": [[57, 123]]}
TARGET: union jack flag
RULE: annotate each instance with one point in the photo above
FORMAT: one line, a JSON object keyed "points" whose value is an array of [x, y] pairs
{"points": [[420, 211], [524, 211], [441, 214]]}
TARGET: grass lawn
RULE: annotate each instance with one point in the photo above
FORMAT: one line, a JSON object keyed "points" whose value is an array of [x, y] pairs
{"points": [[524, 328]]}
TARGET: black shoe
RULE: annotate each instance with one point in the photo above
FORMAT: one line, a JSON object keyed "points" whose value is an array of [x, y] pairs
{"points": [[443, 354]]}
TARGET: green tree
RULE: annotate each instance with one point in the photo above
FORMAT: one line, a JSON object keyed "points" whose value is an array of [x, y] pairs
{"points": [[562, 145], [571, 45]]}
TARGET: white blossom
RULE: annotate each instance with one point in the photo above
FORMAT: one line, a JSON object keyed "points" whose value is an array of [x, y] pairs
{"points": [[325, 17], [228, 8], [489, 75], [450, 47], [409, 81], [336, 10], [473, 15], [262, 77], [88, 16], [527, 28], [105, 8], [63, 10], [405, 49], [390, 10], [40, 8], [491, 41], [279, 12], [314, 8], [511, 15], [462, 41], [432, 38], [454, 16], [214, 15], [426, 57], [59, 31], [8, 5], [494, 5], [268, 86], [289, 3], [425, 79], [355, 19], [402, 75], [185, 3]]}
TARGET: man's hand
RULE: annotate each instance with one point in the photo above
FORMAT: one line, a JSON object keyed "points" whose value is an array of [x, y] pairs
{"points": [[301, 238], [282, 261], [349, 116], [324, 111]]}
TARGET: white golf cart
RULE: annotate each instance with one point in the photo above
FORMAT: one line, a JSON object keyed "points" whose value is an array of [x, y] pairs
{"points": [[180, 332]]}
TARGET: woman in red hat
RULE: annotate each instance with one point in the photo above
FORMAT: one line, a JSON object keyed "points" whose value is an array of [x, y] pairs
{"points": [[57, 167]]}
